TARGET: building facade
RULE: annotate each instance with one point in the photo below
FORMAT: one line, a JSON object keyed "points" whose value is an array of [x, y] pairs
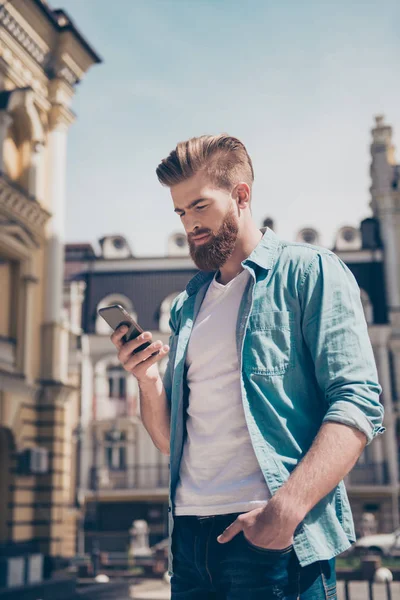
{"points": [[123, 477], [42, 57]]}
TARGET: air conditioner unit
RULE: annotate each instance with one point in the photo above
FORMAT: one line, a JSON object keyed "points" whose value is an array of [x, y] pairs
{"points": [[115, 246], [308, 235], [178, 245], [348, 238], [34, 461]]}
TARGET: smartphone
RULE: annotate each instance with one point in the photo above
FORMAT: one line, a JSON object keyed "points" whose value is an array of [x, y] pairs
{"points": [[116, 316]]}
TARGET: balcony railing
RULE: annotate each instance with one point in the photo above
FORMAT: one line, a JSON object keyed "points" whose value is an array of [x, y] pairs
{"points": [[17, 204], [138, 477], [369, 474]]}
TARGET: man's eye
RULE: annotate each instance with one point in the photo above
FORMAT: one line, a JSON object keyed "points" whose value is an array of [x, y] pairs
{"points": [[201, 207]]}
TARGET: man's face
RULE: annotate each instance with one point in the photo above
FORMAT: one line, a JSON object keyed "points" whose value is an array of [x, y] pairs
{"points": [[209, 217]]}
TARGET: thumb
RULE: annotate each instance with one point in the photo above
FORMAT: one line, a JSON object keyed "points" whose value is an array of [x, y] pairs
{"points": [[230, 532]]}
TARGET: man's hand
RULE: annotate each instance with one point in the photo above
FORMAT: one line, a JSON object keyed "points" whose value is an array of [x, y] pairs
{"points": [[268, 527], [141, 364], [154, 405]]}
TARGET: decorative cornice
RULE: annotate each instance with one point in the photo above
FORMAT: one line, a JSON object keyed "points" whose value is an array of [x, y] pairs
{"points": [[22, 37], [18, 205], [53, 67]]}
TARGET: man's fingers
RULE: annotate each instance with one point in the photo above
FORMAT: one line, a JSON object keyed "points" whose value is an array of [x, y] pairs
{"points": [[127, 348], [230, 532], [144, 357], [160, 354], [117, 336]]}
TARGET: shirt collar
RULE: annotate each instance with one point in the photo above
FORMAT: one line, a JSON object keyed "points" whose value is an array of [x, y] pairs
{"points": [[263, 255]]}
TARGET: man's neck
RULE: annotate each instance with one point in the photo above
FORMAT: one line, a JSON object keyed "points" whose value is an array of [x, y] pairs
{"points": [[224, 279], [243, 249]]}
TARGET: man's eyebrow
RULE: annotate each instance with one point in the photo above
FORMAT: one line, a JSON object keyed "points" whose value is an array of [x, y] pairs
{"points": [[191, 205]]}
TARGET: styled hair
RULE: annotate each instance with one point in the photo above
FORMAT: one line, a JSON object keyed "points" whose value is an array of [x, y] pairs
{"points": [[222, 158]]}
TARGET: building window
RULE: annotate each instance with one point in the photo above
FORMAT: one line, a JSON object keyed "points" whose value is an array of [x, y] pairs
{"points": [[118, 392], [116, 383], [10, 295], [8, 278], [115, 450]]}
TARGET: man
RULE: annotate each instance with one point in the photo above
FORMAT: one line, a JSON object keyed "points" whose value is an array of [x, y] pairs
{"points": [[269, 397]]}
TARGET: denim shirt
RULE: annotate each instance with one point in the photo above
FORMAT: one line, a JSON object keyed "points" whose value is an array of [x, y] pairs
{"points": [[305, 358]]}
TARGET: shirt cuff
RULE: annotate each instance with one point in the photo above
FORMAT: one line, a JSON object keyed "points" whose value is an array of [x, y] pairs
{"points": [[349, 414]]}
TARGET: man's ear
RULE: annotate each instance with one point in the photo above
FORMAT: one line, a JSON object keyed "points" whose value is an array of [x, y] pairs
{"points": [[243, 195]]}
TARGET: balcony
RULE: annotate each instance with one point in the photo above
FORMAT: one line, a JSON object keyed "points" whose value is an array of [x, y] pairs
{"points": [[367, 474], [139, 477], [18, 205]]}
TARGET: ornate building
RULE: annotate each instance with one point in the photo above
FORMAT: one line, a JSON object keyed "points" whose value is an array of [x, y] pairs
{"points": [[42, 57]]}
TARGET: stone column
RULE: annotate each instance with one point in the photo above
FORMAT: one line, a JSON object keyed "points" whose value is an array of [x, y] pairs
{"points": [[29, 281], [55, 335], [57, 164]]}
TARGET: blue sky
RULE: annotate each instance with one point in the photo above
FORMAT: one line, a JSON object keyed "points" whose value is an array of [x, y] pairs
{"points": [[298, 82]]}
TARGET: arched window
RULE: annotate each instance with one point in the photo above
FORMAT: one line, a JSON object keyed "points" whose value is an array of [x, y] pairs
{"points": [[165, 311], [367, 306], [101, 326]]}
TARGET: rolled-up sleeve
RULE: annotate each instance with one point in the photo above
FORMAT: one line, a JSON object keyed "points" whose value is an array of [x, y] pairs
{"points": [[336, 334]]}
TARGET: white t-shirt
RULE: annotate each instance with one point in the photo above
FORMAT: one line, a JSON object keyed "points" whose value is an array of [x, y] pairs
{"points": [[219, 472]]}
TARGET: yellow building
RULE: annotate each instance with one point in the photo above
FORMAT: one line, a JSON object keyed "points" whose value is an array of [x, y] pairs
{"points": [[42, 57]]}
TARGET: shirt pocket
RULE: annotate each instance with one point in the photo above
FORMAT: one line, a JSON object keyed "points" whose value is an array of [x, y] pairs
{"points": [[269, 347]]}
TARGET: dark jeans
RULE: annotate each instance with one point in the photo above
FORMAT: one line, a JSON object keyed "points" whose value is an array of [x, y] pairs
{"points": [[204, 569]]}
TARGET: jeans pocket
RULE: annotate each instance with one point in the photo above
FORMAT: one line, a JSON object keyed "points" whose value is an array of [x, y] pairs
{"points": [[267, 551]]}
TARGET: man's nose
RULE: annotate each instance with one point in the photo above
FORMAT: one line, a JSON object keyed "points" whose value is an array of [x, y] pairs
{"points": [[191, 225]]}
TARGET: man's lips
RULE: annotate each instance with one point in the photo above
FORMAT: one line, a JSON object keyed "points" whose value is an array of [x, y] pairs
{"points": [[200, 238]]}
